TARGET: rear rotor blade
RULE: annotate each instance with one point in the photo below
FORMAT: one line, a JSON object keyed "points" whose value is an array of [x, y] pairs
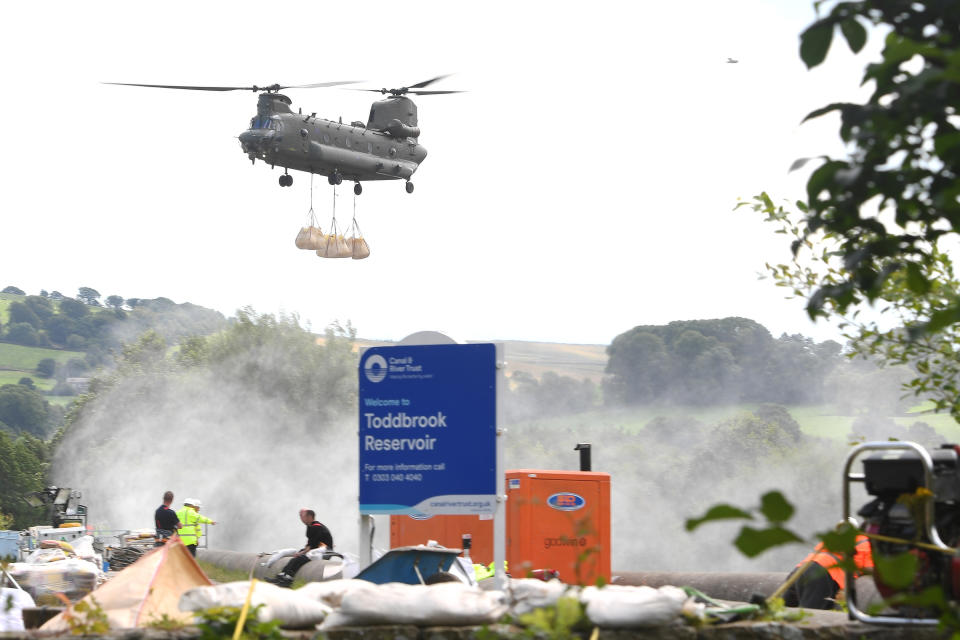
{"points": [[321, 84], [272, 87]]}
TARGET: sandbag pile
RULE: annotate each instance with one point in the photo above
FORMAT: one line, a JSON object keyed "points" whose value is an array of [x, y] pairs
{"points": [[359, 603], [349, 603], [292, 609], [45, 579], [59, 567]]}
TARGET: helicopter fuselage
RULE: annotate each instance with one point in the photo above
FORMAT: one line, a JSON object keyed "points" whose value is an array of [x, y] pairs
{"points": [[355, 151]]}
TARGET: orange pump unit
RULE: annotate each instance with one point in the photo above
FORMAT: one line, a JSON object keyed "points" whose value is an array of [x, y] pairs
{"points": [[555, 520]]}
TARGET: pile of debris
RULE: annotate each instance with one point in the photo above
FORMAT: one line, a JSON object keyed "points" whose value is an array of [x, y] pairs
{"points": [[122, 557]]}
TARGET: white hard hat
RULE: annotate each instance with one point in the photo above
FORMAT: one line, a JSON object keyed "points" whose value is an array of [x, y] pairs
{"points": [[193, 502]]}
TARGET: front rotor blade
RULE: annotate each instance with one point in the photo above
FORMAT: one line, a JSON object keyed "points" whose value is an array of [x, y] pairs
{"points": [[321, 84], [423, 84], [173, 86]]}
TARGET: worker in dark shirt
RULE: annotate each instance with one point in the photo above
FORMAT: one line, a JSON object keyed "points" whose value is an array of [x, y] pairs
{"points": [[318, 536], [165, 519]]}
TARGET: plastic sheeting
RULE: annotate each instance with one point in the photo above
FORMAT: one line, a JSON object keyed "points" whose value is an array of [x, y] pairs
{"points": [[46, 578], [277, 555]]}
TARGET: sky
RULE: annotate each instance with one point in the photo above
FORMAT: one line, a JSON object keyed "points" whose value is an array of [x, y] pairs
{"points": [[583, 184]]}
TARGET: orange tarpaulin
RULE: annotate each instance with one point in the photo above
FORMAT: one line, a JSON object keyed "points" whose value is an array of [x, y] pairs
{"points": [[146, 590]]}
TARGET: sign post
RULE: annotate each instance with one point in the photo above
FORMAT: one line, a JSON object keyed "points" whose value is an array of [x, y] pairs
{"points": [[428, 433]]}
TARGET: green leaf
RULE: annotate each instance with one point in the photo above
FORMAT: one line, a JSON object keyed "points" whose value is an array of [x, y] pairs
{"points": [[897, 571], [941, 319], [916, 281], [855, 34], [775, 507], [843, 540], [815, 42], [718, 512], [752, 542], [816, 113]]}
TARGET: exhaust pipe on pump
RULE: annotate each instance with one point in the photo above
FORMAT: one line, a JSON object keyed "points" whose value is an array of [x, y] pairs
{"points": [[584, 449]]}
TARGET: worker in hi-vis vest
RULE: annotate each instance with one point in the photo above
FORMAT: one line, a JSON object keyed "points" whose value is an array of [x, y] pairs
{"points": [[821, 580], [190, 519]]}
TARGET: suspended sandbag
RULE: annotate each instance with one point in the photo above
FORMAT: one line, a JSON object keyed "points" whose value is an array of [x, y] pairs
{"points": [[310, 236], [360, 248], [335, 246]]}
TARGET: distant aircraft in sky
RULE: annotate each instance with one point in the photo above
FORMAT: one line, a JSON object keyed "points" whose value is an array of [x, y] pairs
{"points": [[732, 61]]}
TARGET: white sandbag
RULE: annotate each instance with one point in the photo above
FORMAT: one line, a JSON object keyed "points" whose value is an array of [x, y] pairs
{"points": [[289, 607], [316, 554], [309, 238], [334, 246], [12, 604], [360, 248], [331, 592], [526, 594], [351, 566], [83, 547], [43, 556], [444, 604], [622, 607], [282, 553]]}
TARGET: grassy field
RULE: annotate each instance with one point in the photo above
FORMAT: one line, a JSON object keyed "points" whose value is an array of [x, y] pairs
{"points": [[19, 358], [17, 361], [13, 377]]}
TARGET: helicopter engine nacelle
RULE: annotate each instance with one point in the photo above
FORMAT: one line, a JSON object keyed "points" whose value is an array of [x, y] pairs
{"points": [[397, 129]]}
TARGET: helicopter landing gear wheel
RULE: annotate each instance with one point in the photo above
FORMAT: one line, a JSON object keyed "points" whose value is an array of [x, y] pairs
{"points": [[286, 180], [409, 187], [357, 189], [335, 178]]}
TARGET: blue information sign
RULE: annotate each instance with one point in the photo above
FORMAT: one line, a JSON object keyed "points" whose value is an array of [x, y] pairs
{"points": [[428, 417]]}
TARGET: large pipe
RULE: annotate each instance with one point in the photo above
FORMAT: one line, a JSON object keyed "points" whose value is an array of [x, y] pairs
{"points": [[313, 571], [722, 586]]}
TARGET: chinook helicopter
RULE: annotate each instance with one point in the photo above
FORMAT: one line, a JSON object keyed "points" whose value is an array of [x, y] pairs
{"points": [[385, 148]]}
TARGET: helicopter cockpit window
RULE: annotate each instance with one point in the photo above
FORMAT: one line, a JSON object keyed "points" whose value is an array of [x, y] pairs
{"points": [[263, 122]]}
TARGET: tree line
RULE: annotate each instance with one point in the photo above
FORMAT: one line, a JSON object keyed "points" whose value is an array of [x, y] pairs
{"points": [[83, 323], [704, 362]]}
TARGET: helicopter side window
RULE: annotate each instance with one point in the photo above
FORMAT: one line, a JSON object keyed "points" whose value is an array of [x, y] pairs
{"points": [[326, 138]]}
